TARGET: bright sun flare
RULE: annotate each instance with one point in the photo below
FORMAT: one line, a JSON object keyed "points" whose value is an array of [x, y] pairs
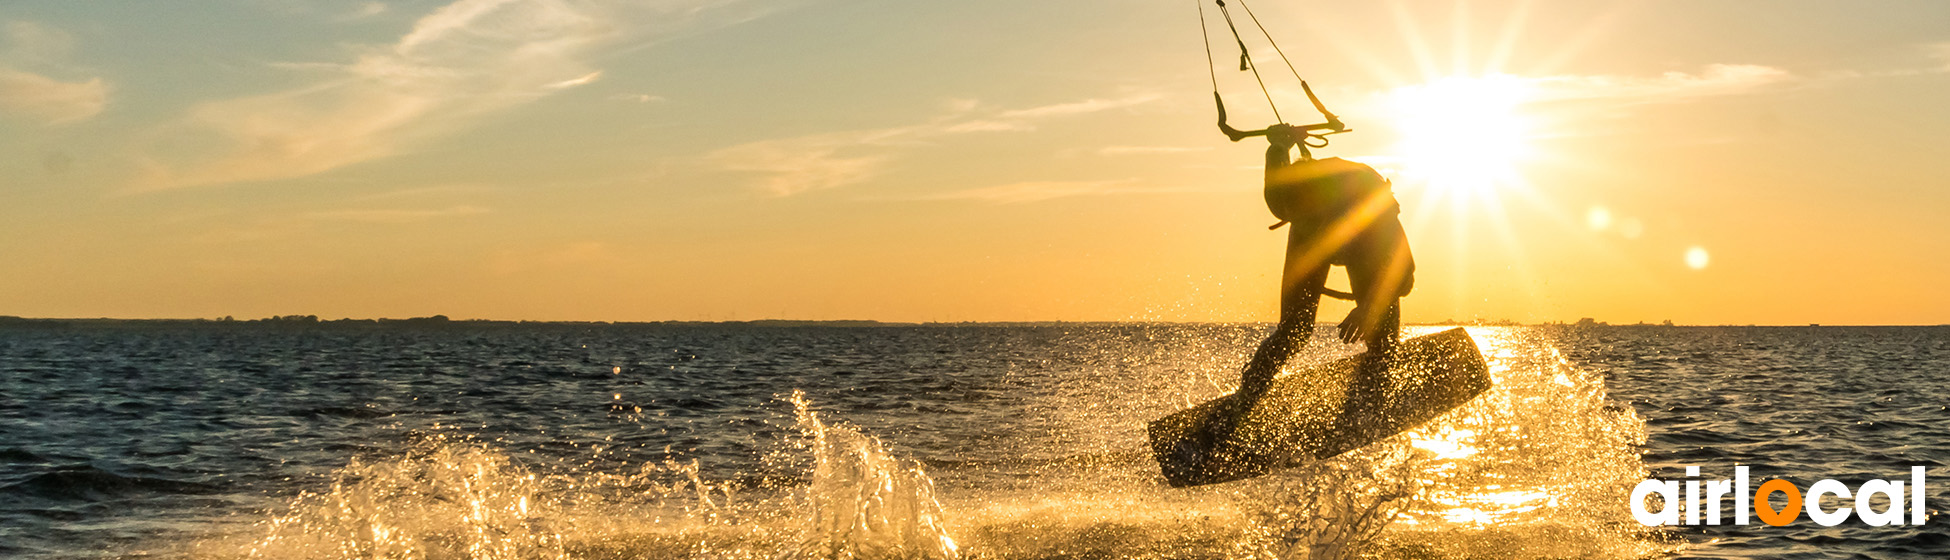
{"points": [[1462, 135]]}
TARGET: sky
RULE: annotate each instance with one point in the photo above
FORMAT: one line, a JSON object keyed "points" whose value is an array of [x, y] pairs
{"points": [[1704, 162]]}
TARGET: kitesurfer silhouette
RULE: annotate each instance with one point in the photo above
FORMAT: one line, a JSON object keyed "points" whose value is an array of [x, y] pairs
{"points": [[1341, 213]]}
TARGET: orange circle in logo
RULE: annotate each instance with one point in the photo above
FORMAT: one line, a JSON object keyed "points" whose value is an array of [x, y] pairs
{"points": [[1766, 511]]}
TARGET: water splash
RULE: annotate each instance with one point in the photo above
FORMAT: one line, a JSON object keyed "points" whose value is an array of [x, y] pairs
{"points": [[864, 503], [440, 501], [460, 499], [1330, 510], [1538, 467]]}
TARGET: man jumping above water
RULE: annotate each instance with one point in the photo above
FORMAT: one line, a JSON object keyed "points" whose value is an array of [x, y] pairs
{"points": [[1342, 213]]}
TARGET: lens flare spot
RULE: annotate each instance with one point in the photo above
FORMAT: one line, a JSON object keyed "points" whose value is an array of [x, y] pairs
{"points": [[1697, 259], [1599, 218]]}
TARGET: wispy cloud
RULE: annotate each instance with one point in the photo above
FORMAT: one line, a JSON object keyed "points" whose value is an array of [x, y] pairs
{"points": [[1038, 191], [582, 80], [47, 99], [428, 192], [1941, 53], [1149, 150], [637, 97], [1714, 80], [464, 60], [258, 227], [1080, 107], [794, 165], [37, 42], [1936, 60], [990, 125], [800, 164], [367, 10], [395, 215], [37, 96]]}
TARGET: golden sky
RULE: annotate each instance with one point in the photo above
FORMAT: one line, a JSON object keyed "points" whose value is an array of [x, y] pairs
{"points": [[1717, 162]]}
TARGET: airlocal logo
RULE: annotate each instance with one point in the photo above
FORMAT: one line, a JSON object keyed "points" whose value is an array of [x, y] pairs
{"points": [[1761, 501]]}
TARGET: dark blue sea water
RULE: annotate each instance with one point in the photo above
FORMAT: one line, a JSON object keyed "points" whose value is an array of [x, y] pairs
{"points": [[632, 441]]}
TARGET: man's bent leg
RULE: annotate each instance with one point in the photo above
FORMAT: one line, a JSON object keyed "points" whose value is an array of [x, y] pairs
{"points": [[1299, 304], [1273, 353]]}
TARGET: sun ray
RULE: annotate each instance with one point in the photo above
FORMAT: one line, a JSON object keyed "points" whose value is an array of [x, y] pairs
{"points": [[1460, 246], [1459, 37], [1512, 243], [1506, 41], [1346, 47], [1412, 34], [1469, 133], [1562, 53]]}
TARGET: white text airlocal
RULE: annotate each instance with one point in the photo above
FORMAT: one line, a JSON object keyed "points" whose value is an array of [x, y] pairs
{"points": [[1759, 503]]}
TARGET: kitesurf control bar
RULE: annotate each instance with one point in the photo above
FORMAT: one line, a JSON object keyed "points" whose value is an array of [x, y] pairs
{"points": [[1333, 124], [1306, 131]]}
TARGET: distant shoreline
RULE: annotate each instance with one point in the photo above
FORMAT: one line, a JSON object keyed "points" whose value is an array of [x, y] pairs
{"points": [[301, 321]]}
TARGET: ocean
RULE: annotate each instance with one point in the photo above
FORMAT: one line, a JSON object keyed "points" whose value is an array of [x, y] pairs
{"points": [[595, 441]]}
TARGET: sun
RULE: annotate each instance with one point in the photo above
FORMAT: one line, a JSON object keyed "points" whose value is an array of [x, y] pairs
{"points": [[1462, 135]]}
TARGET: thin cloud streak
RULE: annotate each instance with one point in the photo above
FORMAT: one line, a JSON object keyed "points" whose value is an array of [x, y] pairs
{"points": [[365, 10], [801, 164], [1150, 150], [39, 97], [262, 228], [428, 192], [1080, 107], [464, 60], [1940, 52], [637, 97], [1714, 80], [584, 80], [1038, 191], [36, 42], [48, 100], [1035, 191], [396, 216], [809, 163]]}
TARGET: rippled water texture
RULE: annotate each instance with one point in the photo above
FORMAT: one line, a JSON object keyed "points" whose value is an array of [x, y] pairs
{"points": [[559, 441]]}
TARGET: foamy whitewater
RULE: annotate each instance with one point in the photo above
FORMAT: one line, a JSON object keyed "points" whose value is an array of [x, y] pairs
{"points": [[729, 442]]}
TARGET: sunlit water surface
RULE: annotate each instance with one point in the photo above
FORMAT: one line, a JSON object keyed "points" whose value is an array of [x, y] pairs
{"points": [[728, 442]]}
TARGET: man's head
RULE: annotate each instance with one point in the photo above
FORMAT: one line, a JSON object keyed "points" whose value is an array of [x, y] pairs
{"points": [[1281, 136]]}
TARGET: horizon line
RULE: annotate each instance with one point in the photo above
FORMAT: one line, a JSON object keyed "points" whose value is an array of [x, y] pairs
{"points": [[443, 319]]}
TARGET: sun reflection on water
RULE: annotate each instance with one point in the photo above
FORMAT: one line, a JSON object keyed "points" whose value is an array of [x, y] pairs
{"points": [[1539, 463], [1539, 445], [1450, 443]]}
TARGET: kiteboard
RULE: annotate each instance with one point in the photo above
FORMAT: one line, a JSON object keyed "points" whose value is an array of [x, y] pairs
{"points": [[1320, 412]]}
